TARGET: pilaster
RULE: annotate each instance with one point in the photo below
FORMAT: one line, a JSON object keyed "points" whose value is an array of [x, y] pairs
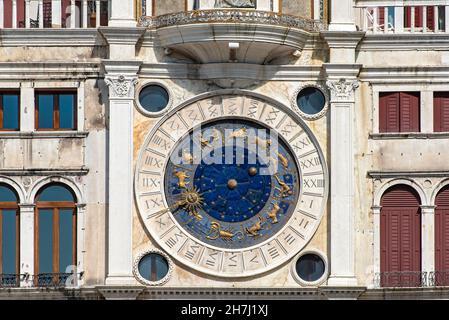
{"points": [[26, 243], [122, 14], [428, 238], [121, 77]]}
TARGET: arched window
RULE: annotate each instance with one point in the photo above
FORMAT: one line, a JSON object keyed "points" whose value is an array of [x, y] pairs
{"points": [[442, 237], [400, 238], [9, 237], [55, 235]]}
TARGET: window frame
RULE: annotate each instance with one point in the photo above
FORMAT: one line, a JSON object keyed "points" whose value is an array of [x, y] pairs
{"points": [[55, 206], [383, 114], [56, 115], [437, 120], [10, 206], [9, 92]]}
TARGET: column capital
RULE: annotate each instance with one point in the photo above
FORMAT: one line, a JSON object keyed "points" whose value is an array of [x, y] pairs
{"points": [[376, 209], [27, 206], [121, 78], [342, 90], [427, 209]]}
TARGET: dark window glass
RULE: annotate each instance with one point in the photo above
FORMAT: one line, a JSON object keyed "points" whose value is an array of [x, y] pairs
{"points": [[65, 240], [153, 267], [311, 101], [45, 241], [153, 98], [9, 237], [10, 105], [7, 194], [310, 267], [55, 193], [56, 111], [46, 110], [66, 111]]}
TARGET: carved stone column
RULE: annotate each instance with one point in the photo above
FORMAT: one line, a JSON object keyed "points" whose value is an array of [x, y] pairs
{"points": [[121, 77], [342, 84], [26, 243]]}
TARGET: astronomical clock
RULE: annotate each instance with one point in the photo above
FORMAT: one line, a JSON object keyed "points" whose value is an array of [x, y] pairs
{"points": [[231, 185]]}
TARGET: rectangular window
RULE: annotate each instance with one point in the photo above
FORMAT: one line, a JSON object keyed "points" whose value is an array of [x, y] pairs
{"points": [[399, 112], [9, 111], [56, 110], [9, 247], [441, 111]]}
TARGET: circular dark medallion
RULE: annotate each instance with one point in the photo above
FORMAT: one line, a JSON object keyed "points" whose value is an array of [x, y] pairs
{"points": [[153, 267], [311, 100], [240, 202], [310, 267], [154, 98]]}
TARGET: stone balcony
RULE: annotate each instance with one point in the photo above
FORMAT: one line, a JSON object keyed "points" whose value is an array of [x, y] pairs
{"points": [[232, 35]]}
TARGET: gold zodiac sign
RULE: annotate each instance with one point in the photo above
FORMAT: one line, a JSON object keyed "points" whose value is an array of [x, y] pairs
{"points": [[182, 176], [273, 214], [192, 202], [253, 231], [216, 232], [284, 160], [285, 190], [241, 133], [263, 143], [187, 156], [206, 142]]}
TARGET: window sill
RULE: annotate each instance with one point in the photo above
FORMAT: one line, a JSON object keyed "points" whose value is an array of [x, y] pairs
{"points": [[409, 135], [44, 134]]}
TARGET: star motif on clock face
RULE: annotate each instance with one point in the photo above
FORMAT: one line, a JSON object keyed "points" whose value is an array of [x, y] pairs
{"points": [[231, 185]]}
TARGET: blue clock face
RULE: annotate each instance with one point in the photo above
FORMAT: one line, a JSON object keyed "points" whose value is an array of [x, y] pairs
{"points": [[230, 185]]}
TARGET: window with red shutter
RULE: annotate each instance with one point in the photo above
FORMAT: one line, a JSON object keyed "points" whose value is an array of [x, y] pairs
{"points": [[399, 112], [418, 17], [441, 111], [442, 237], [400, 237], [409, 112], [430, 18], [381, 18]]}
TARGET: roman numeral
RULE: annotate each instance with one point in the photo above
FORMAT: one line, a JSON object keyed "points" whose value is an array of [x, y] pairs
{"points": [[233, 258], [273, 252], [290, 239], [150, 182], [314, 183], [212, 259], [301, 144], [193, 116], [288, 128], [190, 254], [161, 142], [153, 162], [252, 111], [310, 163], [174, 240], [272, 116]]}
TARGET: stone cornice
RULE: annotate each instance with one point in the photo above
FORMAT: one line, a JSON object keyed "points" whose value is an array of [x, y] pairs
{"points": [[407, 174], [121, 36], [51, 38], [44, 135], [49, 70], [339, 71], [45, 172], [342, 39], [423, 74], [213, 71], [404, 41]]}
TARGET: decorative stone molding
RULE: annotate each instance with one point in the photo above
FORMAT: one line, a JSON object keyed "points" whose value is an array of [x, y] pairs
{"points": [[121, 86], [232, 16], [296, 107], [144, 281], [342, 90]]}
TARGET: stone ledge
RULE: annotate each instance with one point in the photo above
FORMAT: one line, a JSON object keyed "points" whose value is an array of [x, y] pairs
{"points": [[44, 135], [417, 135]]}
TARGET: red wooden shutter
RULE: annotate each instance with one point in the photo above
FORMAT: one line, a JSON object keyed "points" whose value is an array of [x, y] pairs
{"points": [[7, 14], [409, 112], [400, 232], [441, 112], [407, 17], [430, 18], [381, 17], [442, 237], [65, 13], [418, 16], [389, 112]]}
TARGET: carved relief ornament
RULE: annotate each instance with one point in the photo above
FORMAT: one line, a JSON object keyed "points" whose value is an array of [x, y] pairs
{"points": [[122, 87], [342, 89]]}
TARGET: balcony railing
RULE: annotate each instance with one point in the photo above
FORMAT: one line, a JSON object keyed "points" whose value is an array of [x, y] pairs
{"points": [[54, 14], [43, 280], [376, 17], [411, 279], [232, 16]]}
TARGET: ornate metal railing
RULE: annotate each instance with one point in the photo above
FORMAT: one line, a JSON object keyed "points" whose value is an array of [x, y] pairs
{"points": [[401, 279], [232, 16], [439, 278], [43, 280], [11, 280]]}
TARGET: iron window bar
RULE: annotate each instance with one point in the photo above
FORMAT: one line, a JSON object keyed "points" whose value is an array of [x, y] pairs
{"points": [[439, 278], [12, 280]]}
